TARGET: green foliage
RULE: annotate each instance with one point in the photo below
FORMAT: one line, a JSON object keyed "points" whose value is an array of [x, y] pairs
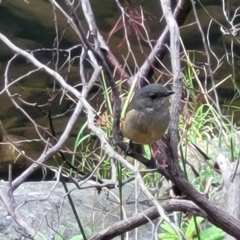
{"points": [[77, 237], [211, 233], [204, 126], [167, 232]]}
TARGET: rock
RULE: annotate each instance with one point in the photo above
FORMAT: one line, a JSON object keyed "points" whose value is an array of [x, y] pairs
{"points": [[53, 214]]}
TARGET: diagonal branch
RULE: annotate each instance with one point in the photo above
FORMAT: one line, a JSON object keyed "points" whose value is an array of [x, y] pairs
{"points": [[147, 215], [160, 49]]}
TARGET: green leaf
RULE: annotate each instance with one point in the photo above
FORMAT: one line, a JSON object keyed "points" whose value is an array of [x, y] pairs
{"points": [[191, 230], [212, 233], [165, 226], [77, 237], [168, 236]]}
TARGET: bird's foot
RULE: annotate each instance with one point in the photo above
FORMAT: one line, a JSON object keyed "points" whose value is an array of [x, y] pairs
{"points": [[152, 163], [129, 149]]}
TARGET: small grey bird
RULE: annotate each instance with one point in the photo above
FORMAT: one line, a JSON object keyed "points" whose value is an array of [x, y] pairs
{"points": [[147, 115]]}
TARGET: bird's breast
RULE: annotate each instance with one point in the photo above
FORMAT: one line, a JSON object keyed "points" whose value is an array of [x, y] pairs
{"points": [[145, 127]]}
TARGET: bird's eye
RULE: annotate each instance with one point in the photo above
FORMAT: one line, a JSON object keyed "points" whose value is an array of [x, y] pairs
{"points": [[153, 96]]}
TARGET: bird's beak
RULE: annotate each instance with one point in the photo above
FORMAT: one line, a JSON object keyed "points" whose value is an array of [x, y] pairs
{"points": [[169, 93]]}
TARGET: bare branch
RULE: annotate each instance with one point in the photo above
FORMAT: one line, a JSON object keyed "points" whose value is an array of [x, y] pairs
{"points": [[160, 49], [144, 217]]}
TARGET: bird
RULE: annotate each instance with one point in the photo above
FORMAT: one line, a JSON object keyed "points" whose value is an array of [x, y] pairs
{"points": [[147, 116]]}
